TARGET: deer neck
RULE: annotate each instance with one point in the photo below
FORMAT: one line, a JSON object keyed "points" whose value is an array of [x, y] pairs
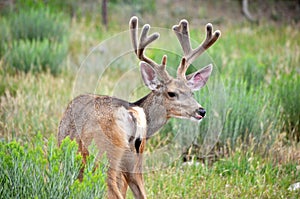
{"points": [[155, 111]]}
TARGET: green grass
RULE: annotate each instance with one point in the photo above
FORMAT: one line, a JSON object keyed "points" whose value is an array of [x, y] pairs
{"points": [[240, 176], [29, 105]]}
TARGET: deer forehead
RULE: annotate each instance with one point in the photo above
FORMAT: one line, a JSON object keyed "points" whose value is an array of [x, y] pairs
{"points": [[178, 85]]}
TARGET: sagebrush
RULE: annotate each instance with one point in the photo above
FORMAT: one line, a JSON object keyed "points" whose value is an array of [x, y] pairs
{"points": [[37, 170]]}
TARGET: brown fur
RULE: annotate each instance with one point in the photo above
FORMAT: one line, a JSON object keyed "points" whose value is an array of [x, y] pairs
{"points": [[91, 118]]}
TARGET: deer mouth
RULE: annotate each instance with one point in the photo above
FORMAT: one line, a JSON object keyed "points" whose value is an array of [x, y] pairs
{"points": [[197, 116]]}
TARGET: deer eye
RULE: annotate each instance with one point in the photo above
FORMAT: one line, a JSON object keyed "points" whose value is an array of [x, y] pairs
{"points": [[172, 94]]}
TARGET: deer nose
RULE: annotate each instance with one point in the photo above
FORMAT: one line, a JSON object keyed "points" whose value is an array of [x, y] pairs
{"points": [[201, 111]]}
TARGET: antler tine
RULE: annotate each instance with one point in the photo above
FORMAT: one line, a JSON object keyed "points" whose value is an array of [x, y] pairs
{"points": [[182, 33], [144, 41], [210, 39], [133, 31]]}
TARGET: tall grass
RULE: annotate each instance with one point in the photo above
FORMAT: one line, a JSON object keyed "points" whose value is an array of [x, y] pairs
{"points": [[29, 105], [249, 112], [288, 87], [261, 88], [4, 36]]}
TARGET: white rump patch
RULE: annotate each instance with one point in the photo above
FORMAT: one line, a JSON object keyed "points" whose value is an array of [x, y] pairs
{"points": [[141, 121], [132, 127]]}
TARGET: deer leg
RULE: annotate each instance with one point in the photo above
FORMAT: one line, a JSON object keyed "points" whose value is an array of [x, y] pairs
{"points": [[115, 179], [136, 184], [84, 152], [113, 191], [135, 178], [122, 184]]}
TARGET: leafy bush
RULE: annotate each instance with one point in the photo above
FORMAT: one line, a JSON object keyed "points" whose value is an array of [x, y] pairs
{"points": [[38, 24], [29, 172], [36, 56], [39, 41], [73, 8]]}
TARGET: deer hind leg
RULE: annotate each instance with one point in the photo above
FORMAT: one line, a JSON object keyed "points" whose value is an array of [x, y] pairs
{"points": [[136, 184], [84, 152], [109, 140], [132, 177], [135, 176], [114, 173], [123, 184], [113, 191]]}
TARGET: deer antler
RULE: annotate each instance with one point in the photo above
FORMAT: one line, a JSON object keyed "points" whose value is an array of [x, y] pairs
{"points": [[145, 40], [182, 33]]}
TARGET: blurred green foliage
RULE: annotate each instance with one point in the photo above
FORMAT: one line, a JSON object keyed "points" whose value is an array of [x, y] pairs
{"points": [[36, 56], [38, 24], [38, 41], [262, 89], [139, 6]]}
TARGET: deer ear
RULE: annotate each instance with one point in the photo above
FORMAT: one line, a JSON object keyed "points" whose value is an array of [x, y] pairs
{"points": [[199, 78], [149, 76]]}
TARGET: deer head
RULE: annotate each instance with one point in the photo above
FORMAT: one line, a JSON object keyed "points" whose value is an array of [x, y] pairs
{"points": [[177, 92]]}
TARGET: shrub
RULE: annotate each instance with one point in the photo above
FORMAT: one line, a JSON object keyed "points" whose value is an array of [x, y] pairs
{"points": [[29, 172], [36, 56], [39, 41], [38, 24]]}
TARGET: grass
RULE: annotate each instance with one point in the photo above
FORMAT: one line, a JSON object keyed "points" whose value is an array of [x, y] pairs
{"points": [[240, 176], [258, 145], [29, 105]]}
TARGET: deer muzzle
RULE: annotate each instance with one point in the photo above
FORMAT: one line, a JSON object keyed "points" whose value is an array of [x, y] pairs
{"points": [[199, 113]]}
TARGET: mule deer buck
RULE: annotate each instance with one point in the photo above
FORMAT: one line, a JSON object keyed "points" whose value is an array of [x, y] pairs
{"points": [[120, 128]]}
